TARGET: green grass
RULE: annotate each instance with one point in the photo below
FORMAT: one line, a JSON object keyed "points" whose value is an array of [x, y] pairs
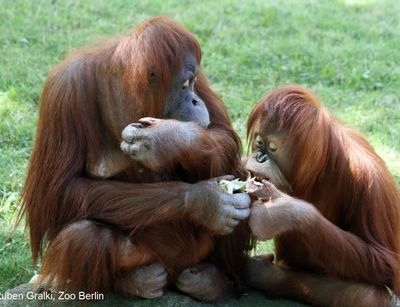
{"points": [[346, 51]]}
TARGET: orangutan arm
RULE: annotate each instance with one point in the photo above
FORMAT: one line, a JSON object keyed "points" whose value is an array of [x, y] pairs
{"points": [[354, 259], [134, 206], [160, 144]]}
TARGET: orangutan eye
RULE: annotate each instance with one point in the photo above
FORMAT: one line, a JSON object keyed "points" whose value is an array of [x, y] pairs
{"points": [[272, 146], [186, 84], [259, 141]]}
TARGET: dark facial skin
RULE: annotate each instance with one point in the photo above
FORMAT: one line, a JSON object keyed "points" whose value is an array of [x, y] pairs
{"points": [[182, 103], [270, 158]]}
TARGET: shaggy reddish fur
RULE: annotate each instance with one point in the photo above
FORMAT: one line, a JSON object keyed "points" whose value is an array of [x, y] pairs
{"points": [[357, 236], [86, 102]]}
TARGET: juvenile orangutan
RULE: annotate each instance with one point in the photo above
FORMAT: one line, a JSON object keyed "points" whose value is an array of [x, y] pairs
{"points": [[328, 201]]}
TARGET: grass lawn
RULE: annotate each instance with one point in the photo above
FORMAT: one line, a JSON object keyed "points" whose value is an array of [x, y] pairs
{"points": [[347, 51]]}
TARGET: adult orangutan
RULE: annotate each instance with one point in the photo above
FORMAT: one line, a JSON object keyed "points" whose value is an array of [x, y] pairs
{"points": [[337, 228], [136, 219]]}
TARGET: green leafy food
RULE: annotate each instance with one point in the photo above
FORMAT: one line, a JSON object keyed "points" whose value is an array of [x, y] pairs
{"points": [[237, 185], [232, 186]]}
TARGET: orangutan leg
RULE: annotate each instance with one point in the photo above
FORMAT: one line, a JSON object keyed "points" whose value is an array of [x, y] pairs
{"points": [[88, 255], [204, 282], [317, 290], [140, 275], [147, 281]]}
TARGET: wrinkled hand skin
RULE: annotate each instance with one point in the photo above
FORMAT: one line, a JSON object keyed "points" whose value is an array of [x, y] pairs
{"points": [[275, 213], [217, 211], [148, 281], [203, 282], [154, 141], [256, 191]]}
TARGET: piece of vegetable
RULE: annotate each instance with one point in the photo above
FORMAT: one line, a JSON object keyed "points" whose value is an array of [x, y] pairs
{"points": [[237, 185]]}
